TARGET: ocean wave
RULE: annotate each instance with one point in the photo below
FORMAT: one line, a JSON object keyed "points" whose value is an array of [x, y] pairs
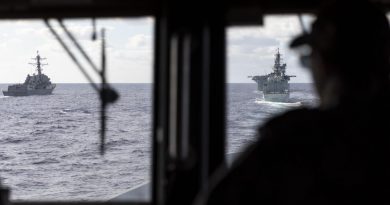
{"points": [[122, 130], [76, 110], [27, 115], [279, 104], [137, 151], [46, 161], [115, 144], [40, 123], [31, 183], [40, 132], [11, 140], [5, 157], [62, 127]]}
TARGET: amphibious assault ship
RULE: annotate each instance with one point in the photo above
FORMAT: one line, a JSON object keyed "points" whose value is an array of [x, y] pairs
{"points": [[37, 84], [275, 86]]}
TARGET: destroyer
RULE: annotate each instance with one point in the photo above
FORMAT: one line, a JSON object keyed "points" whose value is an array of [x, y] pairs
{"points": [[275, 86], [33, 85]]}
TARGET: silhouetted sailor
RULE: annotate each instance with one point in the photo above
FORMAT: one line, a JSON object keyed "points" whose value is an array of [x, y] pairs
{"points": [[338, 153]]}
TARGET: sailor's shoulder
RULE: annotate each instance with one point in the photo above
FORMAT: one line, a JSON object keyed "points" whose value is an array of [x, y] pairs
{"points": [[296, 116], [298, 123]]}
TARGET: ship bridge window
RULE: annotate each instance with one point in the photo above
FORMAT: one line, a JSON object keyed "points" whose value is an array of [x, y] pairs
{"points": [[50, 126], [264, 77]]}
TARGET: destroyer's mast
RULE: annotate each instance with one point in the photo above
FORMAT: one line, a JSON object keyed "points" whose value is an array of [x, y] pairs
{"points": [[38, 63]]}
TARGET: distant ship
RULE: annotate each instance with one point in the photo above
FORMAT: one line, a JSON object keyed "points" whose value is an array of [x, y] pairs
{"points": [[275, 86], [33, 85]]}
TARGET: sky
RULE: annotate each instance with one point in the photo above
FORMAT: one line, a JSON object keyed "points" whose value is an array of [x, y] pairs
{"points": [[251, 50], [129, 42]]}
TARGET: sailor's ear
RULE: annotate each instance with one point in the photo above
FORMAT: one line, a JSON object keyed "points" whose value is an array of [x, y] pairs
{"points": [[322, 66], [305, 61]]}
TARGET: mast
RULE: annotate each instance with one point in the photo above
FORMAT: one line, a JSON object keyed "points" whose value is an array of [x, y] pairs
{"points": [[277, 60], [38, 63], [277, 66]]}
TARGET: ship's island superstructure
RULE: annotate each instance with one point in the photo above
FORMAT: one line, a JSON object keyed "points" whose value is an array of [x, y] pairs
{"points": [[37, 84], [275, 86]]}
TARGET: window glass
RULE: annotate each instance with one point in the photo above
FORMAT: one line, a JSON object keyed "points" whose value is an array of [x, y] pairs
{"points": [[252, 53], [49, 146]]}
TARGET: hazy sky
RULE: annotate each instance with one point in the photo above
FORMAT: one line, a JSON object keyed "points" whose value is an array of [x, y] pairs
{"points": [[251, 50], [129, 50]]}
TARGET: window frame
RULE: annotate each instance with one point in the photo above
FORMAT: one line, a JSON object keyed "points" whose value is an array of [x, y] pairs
{"points": [[189, 44]]}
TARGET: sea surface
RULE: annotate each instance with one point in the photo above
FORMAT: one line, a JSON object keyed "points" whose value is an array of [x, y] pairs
{"points": [[49, 145]]}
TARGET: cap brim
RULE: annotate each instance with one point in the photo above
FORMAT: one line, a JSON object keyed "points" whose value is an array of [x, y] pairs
{"points": [[301, 40]]}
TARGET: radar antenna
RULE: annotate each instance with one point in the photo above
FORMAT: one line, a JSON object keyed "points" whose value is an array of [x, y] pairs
{"points": [[38, 63]]}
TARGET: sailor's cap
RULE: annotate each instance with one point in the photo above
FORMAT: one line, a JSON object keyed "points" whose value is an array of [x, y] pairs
{"points": [[344, 21]]}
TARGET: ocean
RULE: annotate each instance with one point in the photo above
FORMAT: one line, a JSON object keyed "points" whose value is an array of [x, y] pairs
{"points": [[49, 145]]}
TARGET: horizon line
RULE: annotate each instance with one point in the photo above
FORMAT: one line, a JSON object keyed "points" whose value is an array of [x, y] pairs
{"points": [[151, 83]]}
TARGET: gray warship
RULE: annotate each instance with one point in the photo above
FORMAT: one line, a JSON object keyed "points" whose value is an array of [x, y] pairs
{"points": [[37, 84], [275, 86]]}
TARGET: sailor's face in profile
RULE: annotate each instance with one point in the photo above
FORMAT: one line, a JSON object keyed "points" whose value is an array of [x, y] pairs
{"points": [[311, 59], [317, 71]]}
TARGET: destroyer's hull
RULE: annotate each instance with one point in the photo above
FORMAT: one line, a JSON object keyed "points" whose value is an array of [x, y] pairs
{"points": [[277, 97], [28, 92]]}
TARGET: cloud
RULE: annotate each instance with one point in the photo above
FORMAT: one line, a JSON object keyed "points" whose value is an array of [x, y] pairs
{"points": [[139, 41], [144, 21], [129, 49]]}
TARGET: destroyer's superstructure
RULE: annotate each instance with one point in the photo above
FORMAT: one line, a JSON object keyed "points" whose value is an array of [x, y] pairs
{"points": [[37, 84], [275, 86]]}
